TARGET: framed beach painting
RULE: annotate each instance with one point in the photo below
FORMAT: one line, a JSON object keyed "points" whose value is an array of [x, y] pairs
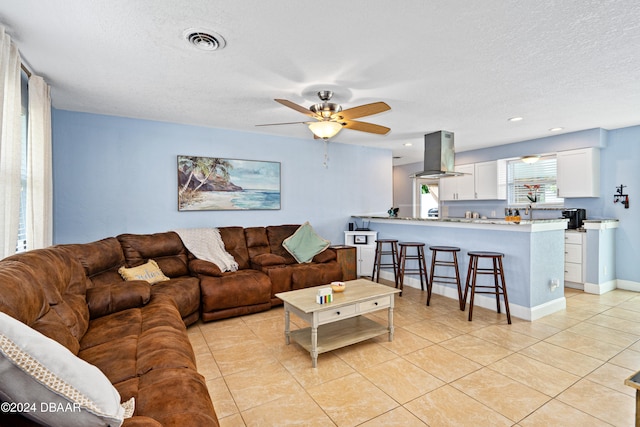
{"points": [[212, 183]]}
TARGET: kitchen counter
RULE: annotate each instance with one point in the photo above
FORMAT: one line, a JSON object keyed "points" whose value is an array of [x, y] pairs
{"points": [[600, 224], [524, 225], [533, 262]]}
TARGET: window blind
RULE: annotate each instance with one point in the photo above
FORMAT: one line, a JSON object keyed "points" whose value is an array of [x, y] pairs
{"points": [[543, 173]]}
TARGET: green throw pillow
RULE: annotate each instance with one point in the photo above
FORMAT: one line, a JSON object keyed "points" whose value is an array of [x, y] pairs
{"points": [[304, 244]]}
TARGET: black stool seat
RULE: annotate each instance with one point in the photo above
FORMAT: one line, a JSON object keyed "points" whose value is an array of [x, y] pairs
{"points": [[485, 254], [496, 270], [445, 248], [435, 262], [422, 266], [394, 263]]}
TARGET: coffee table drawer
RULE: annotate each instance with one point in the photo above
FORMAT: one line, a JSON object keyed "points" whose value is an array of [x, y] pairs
{"points": [[337, 313], [374, 304]]}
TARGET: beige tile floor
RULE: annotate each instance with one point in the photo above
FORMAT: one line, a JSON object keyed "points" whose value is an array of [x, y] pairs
{"points": [[566, 369]]}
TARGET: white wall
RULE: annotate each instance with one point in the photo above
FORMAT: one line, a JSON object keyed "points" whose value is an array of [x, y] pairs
{"points": [[117, 175]]}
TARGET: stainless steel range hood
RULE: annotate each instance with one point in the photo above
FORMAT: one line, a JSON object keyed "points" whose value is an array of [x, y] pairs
{"points": [[439, 156]]}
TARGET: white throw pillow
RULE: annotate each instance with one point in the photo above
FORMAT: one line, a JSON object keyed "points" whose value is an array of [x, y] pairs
{"points": [[44, 381]]}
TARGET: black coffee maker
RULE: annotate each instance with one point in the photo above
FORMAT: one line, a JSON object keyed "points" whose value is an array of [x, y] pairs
{"points": [[575, 216]]}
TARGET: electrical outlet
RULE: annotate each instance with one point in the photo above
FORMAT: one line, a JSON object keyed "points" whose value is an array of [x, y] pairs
{"points": [[604, 270], [553, 284]]}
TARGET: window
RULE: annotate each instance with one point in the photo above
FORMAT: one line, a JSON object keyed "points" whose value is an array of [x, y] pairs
{"points": [[21, 244], [426, 198], [533, 182]]}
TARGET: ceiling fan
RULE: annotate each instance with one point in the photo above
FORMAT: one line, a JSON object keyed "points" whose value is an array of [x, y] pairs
{"points": [[330, 118]]}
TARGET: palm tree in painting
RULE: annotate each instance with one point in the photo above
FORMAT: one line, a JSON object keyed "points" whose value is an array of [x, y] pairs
{"points": [[200, 171]]}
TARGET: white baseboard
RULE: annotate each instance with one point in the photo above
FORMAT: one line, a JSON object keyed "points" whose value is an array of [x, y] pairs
{"points": [[602, 288], [521, 312], [628, 285]]}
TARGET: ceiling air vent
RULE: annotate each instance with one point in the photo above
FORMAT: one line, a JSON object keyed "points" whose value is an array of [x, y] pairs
{"points": [[204, 39]]}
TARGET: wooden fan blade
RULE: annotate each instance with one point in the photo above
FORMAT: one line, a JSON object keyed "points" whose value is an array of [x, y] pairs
{"points": [[361, 111], [294, 106], [365, 127], [287, 123]]}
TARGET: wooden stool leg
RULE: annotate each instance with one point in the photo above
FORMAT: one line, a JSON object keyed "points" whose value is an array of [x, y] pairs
{"points": [[455, 264], [473, 285], [495, 281], [376, 263], [403, 260], [467, 284], [396, 262], [422, 270], [504, 292], [432, 272]]}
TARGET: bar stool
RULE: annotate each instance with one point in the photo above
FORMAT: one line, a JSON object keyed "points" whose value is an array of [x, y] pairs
{"points": [[377, 263], [496, 271], [453, 250], [422, 266]]}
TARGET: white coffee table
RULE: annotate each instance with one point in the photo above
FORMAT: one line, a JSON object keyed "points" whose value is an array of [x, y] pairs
{"points": [[339, 323]]}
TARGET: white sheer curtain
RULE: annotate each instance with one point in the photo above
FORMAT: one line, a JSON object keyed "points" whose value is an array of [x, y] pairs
{"points": [[10, 149], [39, 176]]}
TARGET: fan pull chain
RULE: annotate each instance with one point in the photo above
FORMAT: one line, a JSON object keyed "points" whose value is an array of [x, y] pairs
{"points": [[325, 163]]}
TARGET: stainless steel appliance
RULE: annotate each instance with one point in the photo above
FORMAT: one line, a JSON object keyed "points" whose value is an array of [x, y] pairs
{"points": [[575, 216], [438, 156]]}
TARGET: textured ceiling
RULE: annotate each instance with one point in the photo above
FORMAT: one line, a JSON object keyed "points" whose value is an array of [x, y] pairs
{"points": [[456, 65]]}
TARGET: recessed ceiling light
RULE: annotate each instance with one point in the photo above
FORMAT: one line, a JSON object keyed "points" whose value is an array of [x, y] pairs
{"points": [[515, 119], [555, 129], [408, 144], [204, 39]]}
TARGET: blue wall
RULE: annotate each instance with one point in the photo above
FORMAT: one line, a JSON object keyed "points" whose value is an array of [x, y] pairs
{"points": [[115, 175], [619, 164]]}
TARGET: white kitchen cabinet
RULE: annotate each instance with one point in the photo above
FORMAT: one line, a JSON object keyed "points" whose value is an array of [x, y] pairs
{"points": [[458, 187], [575, 256], [490, 179], [365, 244], [579, 173], [482, 181]]}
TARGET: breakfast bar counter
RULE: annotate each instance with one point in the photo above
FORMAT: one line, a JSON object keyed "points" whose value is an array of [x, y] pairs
{"points": [[533, 261]]}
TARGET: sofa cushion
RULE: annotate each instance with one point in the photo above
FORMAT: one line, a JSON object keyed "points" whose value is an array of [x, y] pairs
{"points": [[45, 289], [185, 291], [325, 256], [100, 260], [276, 235], [104, 300], [165, 248], [171, 396], [266, 260], [148, 271], [305, 243], [34, 368], [241, 288], [257, 241], [236, 245]]}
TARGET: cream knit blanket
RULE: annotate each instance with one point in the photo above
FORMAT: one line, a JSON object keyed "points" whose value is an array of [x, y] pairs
{"points": [[206, 244]]}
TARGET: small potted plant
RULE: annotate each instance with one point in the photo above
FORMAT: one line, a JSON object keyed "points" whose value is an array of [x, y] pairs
{"points": [[532, 195]]}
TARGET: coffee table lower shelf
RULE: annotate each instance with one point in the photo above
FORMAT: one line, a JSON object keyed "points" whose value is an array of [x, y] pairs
{"points": [[339, 334]]}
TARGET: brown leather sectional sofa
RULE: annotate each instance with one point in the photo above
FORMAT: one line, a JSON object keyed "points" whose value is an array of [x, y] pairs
{"points": [[135, 333]]}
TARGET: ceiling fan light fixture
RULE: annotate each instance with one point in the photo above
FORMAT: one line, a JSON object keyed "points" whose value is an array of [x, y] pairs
{"points": [[530, 159], [325, 129]]}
